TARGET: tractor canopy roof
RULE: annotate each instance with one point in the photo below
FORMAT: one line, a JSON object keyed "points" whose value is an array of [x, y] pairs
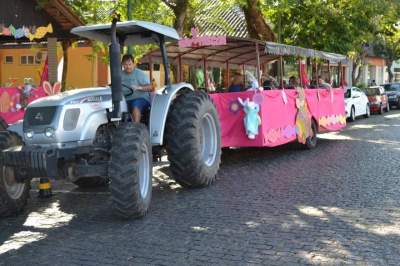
{"points": [[133, 32]]}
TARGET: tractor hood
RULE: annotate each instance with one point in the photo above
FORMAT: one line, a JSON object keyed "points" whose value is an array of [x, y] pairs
{"points": [[68, 96]]}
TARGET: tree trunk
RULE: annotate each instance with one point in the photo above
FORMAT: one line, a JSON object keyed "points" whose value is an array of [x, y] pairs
{"points": [[180, 16], [356, 68], [357, 79], [389, 64], [256, 25], [65, 45], [180, 8]]}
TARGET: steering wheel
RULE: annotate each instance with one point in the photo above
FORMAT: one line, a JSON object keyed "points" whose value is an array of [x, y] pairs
{"points": [[126, 86], [129, 88]]}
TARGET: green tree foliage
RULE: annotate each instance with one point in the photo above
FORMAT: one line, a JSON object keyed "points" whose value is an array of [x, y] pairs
{"points": [[387, 41], [341, 26]]}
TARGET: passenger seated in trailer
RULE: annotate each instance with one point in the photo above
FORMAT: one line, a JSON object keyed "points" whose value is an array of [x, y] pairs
{"points": [[237, 84], [270, 83], [323, 84], [293, 83]]}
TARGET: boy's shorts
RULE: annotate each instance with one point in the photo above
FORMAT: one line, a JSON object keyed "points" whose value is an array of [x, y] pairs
{"points": [[139, 103]]}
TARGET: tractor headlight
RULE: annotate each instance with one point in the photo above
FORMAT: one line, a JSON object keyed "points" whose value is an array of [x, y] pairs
{"points": [[49, 132], [91, 99], [29, 134]]}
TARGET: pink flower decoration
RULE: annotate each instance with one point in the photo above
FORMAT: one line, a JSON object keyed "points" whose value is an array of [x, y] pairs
{"points": [[289, 131], [258, 98]]}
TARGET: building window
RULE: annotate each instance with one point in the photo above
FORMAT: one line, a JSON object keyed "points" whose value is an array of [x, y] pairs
{"points": [[27, 60], [9, 59]]}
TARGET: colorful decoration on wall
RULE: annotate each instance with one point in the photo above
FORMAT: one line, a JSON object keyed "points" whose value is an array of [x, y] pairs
{"points": [[197, 41], [275, 135], [252, 119], [31, 34], [234, 106], [325, 121], [258, 97], [303, 117], [4, 102], [51, 90], [284, 96]]}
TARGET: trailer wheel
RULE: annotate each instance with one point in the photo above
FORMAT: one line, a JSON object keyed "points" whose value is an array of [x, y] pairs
{"points": [[130, 170], [311, 141], [352, 114], [13, 194], [193, 140]]}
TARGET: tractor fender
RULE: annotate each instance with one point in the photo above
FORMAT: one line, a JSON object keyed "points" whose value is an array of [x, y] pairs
{"points": [[160, 108]]}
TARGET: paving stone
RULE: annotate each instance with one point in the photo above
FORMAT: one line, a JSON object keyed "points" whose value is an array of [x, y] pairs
{"points": [[338, 204]]}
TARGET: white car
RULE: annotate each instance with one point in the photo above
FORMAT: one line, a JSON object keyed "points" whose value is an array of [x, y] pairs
{"points": [[357, 103]]}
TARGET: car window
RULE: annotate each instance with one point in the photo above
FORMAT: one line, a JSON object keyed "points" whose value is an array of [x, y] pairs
{"points": [[391, 87], [372, 91], [347, 93]]}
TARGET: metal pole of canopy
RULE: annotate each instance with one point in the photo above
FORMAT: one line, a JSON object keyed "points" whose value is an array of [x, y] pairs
{"points": [[258, 65], [281, 71], [329, 71], [205, 73], [165, 61], [300, 77], [316, 73], [244, 76], [180, 68], [227, 74], [151, 68]]}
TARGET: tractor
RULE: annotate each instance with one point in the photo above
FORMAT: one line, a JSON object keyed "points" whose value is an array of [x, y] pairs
{"points": [[87, 135]]}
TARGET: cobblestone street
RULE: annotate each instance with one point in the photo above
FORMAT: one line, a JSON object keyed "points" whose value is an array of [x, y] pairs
{"points": [[337, 204]]}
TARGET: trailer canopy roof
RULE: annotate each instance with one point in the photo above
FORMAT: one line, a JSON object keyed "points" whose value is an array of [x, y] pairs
{"points": [[284, 49], [135, 32], [238, 51]]}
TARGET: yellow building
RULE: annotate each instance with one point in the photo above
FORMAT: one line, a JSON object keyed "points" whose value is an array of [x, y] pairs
{"points": [[84, 68]]}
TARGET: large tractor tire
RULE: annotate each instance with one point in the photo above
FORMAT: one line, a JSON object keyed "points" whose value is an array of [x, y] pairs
{"points": [[193, 140], [91, 182], [13, 194], [3, 125], [130, 170]]}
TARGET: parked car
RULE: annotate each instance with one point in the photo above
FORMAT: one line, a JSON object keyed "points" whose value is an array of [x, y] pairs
{"points": [[393, 93], [378, 100], [356, 103]]}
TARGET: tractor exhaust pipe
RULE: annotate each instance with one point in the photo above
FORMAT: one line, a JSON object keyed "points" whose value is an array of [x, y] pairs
{"points": [[115, 66]]}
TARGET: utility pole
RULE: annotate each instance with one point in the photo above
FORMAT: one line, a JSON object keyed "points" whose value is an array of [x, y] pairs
{"points": [[129, 15]]}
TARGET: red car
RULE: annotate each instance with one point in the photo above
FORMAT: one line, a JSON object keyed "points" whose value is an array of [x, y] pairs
{"points": [[378, 100]]}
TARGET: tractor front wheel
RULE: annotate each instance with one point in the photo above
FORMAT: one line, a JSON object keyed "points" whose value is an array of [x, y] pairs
{"points": [[130, 170]]}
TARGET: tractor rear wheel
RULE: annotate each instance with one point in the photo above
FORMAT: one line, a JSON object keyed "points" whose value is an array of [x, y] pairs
{"points": [[130, 170], [193, 140], [13, 194]]}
